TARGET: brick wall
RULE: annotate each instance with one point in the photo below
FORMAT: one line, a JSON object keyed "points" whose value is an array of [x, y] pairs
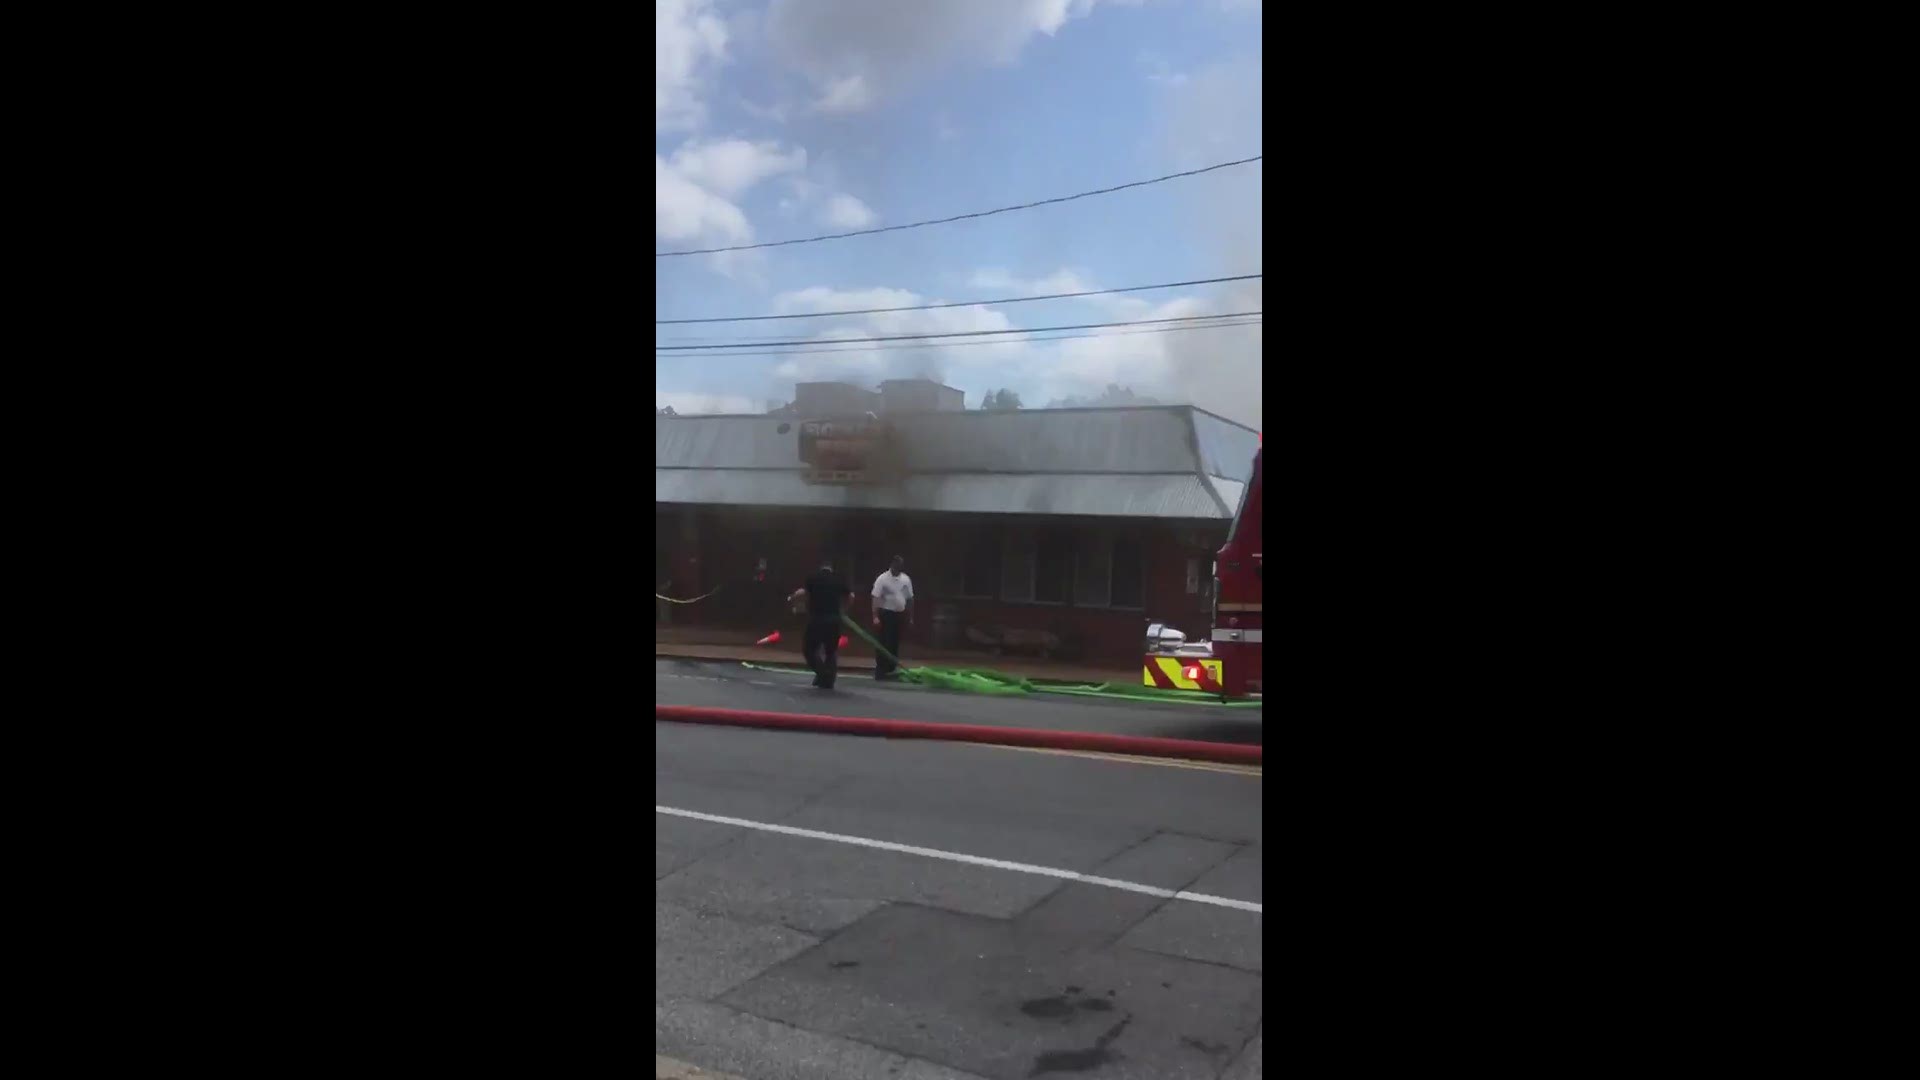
{"points": [[729, 540]]}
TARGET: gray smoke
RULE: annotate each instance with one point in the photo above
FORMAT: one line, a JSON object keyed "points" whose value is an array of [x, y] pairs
{"points": [[1215, 116]]}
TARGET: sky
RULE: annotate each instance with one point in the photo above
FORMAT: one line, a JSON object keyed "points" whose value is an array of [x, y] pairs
{"points": [[776, 119]]}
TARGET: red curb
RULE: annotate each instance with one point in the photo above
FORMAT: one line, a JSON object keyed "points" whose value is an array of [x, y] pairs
{"points": [[1142, 745]]}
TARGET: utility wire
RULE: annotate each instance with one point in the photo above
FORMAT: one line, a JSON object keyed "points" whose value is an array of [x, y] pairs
{"points": [[959, 217], [958, 333], [965, 303], [738, 342], [964, 344]]}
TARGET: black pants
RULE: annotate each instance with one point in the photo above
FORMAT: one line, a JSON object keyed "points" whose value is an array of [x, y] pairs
{"points": [[822, 646], [889, 640]]}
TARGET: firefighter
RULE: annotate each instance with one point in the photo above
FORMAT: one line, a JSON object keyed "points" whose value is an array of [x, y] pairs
{"points": [[892, 602], [824, 592]]}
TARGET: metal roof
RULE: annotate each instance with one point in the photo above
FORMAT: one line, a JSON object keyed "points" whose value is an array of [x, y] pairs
{"points": [[1097, 440], [1161, 461], [1072, 494], [1229, 492], [726, 442], [1226, 449]]}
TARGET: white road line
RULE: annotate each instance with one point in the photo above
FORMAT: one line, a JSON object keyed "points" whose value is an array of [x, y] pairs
{"points": [[973, 860]]}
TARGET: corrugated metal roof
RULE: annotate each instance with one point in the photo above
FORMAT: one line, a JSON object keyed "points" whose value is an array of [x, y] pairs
{"points": [[1156, 439], [726, 442], [1226, 448], [1165, 496], [1068, 440], [1183, 496], [1229, 492], [1161, 461]]}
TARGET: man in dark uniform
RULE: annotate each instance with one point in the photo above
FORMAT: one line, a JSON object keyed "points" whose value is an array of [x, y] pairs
{"points": [[824, 592]]}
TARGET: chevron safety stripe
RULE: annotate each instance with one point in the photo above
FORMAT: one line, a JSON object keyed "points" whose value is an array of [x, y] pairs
{"points": [[1181, 673]]}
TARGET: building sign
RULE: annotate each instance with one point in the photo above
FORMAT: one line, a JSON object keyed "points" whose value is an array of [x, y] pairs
{"points": [[841, 451]]}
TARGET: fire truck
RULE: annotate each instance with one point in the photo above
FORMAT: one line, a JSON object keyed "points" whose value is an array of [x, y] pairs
{"points": [[1228, 663]]}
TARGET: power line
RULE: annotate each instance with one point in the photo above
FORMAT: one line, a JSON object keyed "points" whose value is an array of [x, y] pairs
{"points": [[854, 347], [737, 342], [964, 344], [965, 303], [960, 217], [958, 333]]}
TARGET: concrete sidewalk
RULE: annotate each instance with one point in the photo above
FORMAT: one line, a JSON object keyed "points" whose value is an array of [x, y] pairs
{"points": [[857, 657]]}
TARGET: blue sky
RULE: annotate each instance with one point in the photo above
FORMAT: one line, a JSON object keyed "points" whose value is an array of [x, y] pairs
{"points": [[784, 118]]}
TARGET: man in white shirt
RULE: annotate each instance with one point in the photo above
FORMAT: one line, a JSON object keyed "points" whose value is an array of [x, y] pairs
{"points": [[892, 602]]}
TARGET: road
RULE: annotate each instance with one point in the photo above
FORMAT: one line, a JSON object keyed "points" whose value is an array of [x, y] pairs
{"points": [[977, 953], [732, 685]]}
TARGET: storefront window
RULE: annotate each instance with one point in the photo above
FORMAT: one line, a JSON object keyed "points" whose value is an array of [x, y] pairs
{"points": [[1129, 574]]}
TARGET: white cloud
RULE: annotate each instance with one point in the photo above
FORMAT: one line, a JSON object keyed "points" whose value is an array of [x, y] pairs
{"points": [[1216, 368], [855, 52], [886, 360], [728, 167], [1172, 367], [1159, 72], [1063, 281], [822, 298], [854, 364], [846, 212], [688, 404], [683, 211], [748, 267], [844, 95], [1058, 283], [993, 279], [696, 193], [688, 40], [776, 113], [1128, 355]]}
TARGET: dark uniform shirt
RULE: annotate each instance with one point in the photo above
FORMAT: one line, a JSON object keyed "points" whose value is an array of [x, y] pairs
{"points": [[825, 591]]}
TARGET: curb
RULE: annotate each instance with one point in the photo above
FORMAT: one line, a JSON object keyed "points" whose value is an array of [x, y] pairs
{"points": [[798, 660], [1139, 745], [866, 664]]}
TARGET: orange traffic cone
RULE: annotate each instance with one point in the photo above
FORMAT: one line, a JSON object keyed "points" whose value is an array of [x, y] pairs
{"points": [[770, 639]]}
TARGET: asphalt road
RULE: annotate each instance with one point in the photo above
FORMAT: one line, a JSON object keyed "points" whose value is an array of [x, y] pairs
{"points": [[823, 957], [732, 685]]}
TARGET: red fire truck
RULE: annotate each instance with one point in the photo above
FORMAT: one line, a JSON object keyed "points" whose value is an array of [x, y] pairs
{"points": [[1228, 663]]}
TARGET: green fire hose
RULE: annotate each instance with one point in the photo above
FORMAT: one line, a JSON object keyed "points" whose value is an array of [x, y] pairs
{"points": [[986, 681]]}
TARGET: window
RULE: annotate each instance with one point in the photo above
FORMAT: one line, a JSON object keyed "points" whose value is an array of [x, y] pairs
{"points": [[943, 570], [1200, 578], [1093, 571], [1129, 573], [1053, 572], [981, 558], [1109, 571], [1016, 570]]}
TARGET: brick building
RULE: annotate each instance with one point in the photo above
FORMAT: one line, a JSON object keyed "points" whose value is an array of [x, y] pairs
{"points": [[1074, 526]]}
